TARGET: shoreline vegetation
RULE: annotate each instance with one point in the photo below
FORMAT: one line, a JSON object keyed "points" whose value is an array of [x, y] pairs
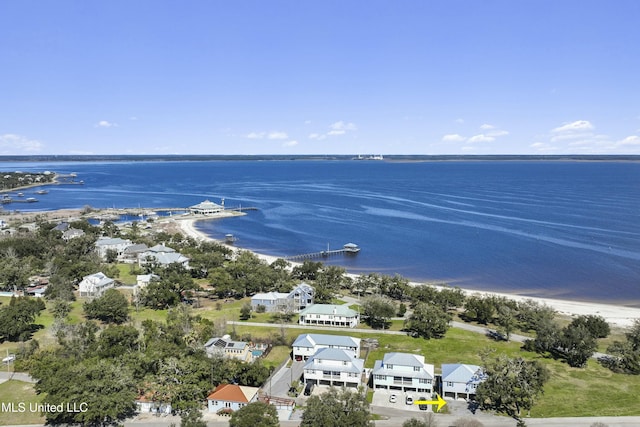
{"points": [[616, 315]]}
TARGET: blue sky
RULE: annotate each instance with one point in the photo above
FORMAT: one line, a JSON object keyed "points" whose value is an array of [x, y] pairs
{"points": [[320, 77]]}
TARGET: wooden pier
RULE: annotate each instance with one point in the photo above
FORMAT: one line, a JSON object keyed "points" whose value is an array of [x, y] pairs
{"points": [[348, 249]]}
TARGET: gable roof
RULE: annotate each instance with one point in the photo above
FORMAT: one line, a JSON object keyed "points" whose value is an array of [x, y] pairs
{"points": [[233, 393], [461, 373], [335, 354], [312, 340], [403, 359], [338, 310]]}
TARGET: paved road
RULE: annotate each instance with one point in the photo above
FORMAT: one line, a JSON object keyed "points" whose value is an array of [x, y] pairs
{"points": [[19, 376]]}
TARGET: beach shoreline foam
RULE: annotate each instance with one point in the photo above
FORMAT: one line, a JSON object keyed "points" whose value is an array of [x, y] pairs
{"points": [[616, 315]]}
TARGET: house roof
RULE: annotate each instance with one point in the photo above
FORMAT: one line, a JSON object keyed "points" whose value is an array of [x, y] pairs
{"points": [[312, 340], [135, 248], [207, 204], [109, 241], [403, 359], [462, 373], [222, 343], [338, 310], [233, 393], [380, 369], [272, 296], [335, 354], [161, 248]]}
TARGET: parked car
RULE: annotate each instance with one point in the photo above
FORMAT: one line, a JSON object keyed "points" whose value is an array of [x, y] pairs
{"points": [[308, 389], [423, 406], [408, 400], [393, 398]]}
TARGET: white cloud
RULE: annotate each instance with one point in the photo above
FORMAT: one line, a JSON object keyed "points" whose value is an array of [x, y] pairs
{"points": [[481, 138], [577, 126], [453, 137], [17, 144], [487, 127], [105, 124], [633, 140], [496, 133], [277, 135], [256, 135], [290, 144], [342, 126], [335, 129]]}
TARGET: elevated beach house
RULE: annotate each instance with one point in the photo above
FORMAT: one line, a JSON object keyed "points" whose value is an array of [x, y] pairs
{"points": [[94, 285], [404, 372], [306, 345], [231, 397], [298, 299], [460, 380], [329, 315], [333, 366]]}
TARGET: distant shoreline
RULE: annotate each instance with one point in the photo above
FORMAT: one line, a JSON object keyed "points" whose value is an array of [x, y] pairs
{"points": [[388, 158]]}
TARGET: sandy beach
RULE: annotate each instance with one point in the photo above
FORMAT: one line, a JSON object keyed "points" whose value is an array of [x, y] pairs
{"points": [[618, 316]]}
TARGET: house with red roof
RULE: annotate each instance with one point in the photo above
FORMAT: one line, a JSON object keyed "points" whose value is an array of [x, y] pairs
{"points": [[231, 397]]}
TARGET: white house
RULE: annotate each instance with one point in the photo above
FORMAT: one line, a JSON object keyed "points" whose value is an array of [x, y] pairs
{"points": [[104, 244], [460, 380], [131, 252], [72, 233], [94, 285], [298, 299], [306, 345], [231, 397], [329, 315], [333, 366], [206, 208], [162, 255], [146, 404], [229, 348], [403, 371]]}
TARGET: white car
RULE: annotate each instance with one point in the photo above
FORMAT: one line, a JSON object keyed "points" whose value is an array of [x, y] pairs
{"points": [[393, 398], [408, 400]]}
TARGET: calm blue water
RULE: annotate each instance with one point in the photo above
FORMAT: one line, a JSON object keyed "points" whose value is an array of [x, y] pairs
{"points": [[554, 229]]}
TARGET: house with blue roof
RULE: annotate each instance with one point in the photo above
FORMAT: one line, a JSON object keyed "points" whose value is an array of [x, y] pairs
{"points": [[306, 345], [334, 367], [460, 380], [404, 372]]}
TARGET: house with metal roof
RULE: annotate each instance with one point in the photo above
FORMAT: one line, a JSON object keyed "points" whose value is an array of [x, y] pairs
{"points": [[329, 315], [231, 397], [403, 371], [94, 285], [105, 244], [206, 208], [226, 347], [460, 380], [163, 255], [335, 367], [306, 345], [298, 299]]}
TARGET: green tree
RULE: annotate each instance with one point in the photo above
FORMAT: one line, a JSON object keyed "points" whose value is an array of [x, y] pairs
{"points": [[337, 408], [633, 335], [111, 307], [255, 414], [427, 321], [116, 340], [192, 418], [511, 385], [377, 310], [428, 420], [308, 270], [245, 312], [507, 320], [532, 314], [596, 325], [480, 309], [328, 281], [16, 319], [577, 345]]}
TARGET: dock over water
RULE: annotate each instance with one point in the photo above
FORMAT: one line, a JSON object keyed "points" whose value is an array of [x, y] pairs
{"points": [[347, 249]]}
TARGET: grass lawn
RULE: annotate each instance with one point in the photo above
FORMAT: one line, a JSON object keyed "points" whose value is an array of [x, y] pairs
{"points": [[277, 354], [17, 392]]}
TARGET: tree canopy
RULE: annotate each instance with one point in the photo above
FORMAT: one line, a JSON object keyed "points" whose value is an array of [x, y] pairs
{"points": [[255, 414], [337, 408]]}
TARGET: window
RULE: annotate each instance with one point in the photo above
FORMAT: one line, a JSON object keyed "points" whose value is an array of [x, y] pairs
{"points": [[425, 381], [416, 369], [449, 384], [389, 366]]}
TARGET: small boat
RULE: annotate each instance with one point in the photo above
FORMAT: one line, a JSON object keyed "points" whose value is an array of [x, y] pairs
{"points": [[229, 238], [20, 194], [42, 192], [6, 199], [31, 200]]}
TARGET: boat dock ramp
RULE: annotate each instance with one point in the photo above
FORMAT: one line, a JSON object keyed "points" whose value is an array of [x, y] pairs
{"points": [[348, 249]]}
